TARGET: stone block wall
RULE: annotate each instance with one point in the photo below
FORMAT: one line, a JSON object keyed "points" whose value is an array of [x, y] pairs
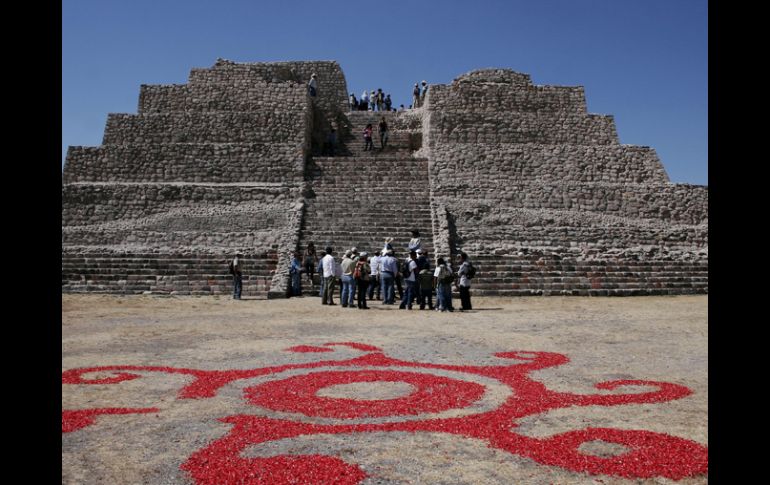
{"points": [[678, 203], [214, 127], [255, 96], [194, 217], [87, 204], [483, 226], [508, 163], [521, 127], [193, 162], [515, 171], [332, 87]]}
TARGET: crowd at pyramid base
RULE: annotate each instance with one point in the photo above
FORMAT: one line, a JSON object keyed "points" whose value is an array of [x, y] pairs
{"points": [[537, 191]]}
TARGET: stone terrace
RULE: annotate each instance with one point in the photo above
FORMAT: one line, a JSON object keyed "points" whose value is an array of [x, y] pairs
{"points": [[539, 192]]}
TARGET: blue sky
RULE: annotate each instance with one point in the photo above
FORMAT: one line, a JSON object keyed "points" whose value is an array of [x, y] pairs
{"points": [[643, 61]]}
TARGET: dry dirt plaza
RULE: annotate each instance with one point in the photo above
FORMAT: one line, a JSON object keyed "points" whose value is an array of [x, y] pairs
{"points": [[221, 391]]}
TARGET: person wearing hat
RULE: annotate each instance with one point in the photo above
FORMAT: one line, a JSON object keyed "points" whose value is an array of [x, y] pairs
{"points": [[348, 282], [424, 92], [416, 96], [361, 275], [388, 270], [312, 86]]}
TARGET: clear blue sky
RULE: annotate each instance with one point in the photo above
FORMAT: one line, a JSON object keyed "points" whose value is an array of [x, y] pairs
{"points": [[643, 61]]}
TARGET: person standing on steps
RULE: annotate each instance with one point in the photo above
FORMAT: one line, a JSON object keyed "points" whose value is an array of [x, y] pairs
{"points": [[310, 261], [380, 99], [368, 145], [353, 102], [364, 101], [331, 142], [388, 103], [416, 96], [295, 271], [312, 86], [383, 133], [424, 92], [236, 269], [414, 243], [320, 271]]}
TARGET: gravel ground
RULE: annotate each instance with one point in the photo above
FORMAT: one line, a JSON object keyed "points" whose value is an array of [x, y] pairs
{"points": [[605, 339]]}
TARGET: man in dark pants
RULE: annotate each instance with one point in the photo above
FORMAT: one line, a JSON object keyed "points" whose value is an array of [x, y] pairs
{"points": [[424, 280], [464, 284], [328, 276], [236, 268]]}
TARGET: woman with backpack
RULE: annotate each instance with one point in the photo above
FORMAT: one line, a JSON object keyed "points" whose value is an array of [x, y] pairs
{"points": [[361, 275], [442, 281]]}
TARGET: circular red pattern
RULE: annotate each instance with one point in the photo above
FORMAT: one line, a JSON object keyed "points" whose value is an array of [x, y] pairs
{"points": [[221, 462], [299, 394]]}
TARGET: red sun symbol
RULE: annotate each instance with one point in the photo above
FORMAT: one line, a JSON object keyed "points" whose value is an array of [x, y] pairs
{"points": [[441, 399]]}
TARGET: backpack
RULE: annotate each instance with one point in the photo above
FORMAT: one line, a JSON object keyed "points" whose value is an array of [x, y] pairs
{"points": [[444, 275], [471, 271], [405, 268], [357, 272]]}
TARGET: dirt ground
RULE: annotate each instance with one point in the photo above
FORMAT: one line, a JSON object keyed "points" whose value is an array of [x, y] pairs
{"points": [[605, 339]]}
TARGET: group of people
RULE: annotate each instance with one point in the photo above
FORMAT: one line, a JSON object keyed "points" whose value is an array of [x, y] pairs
{"points": [[377, 101], [363, 277], [383, 131]]}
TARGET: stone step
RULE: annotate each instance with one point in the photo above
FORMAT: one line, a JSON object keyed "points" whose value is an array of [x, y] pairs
{"points": [[189, 274], [375, 193], [380, 156]]}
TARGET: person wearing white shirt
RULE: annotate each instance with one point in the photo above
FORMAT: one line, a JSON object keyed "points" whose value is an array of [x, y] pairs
{"points": [[374, 278], [329, 281]]}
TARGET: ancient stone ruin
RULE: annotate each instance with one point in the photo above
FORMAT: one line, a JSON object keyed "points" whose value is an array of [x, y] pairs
{"points": [[538, 192]]}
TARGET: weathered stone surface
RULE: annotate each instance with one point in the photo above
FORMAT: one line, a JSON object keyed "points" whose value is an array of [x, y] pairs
{"points": [[539, 192]]}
